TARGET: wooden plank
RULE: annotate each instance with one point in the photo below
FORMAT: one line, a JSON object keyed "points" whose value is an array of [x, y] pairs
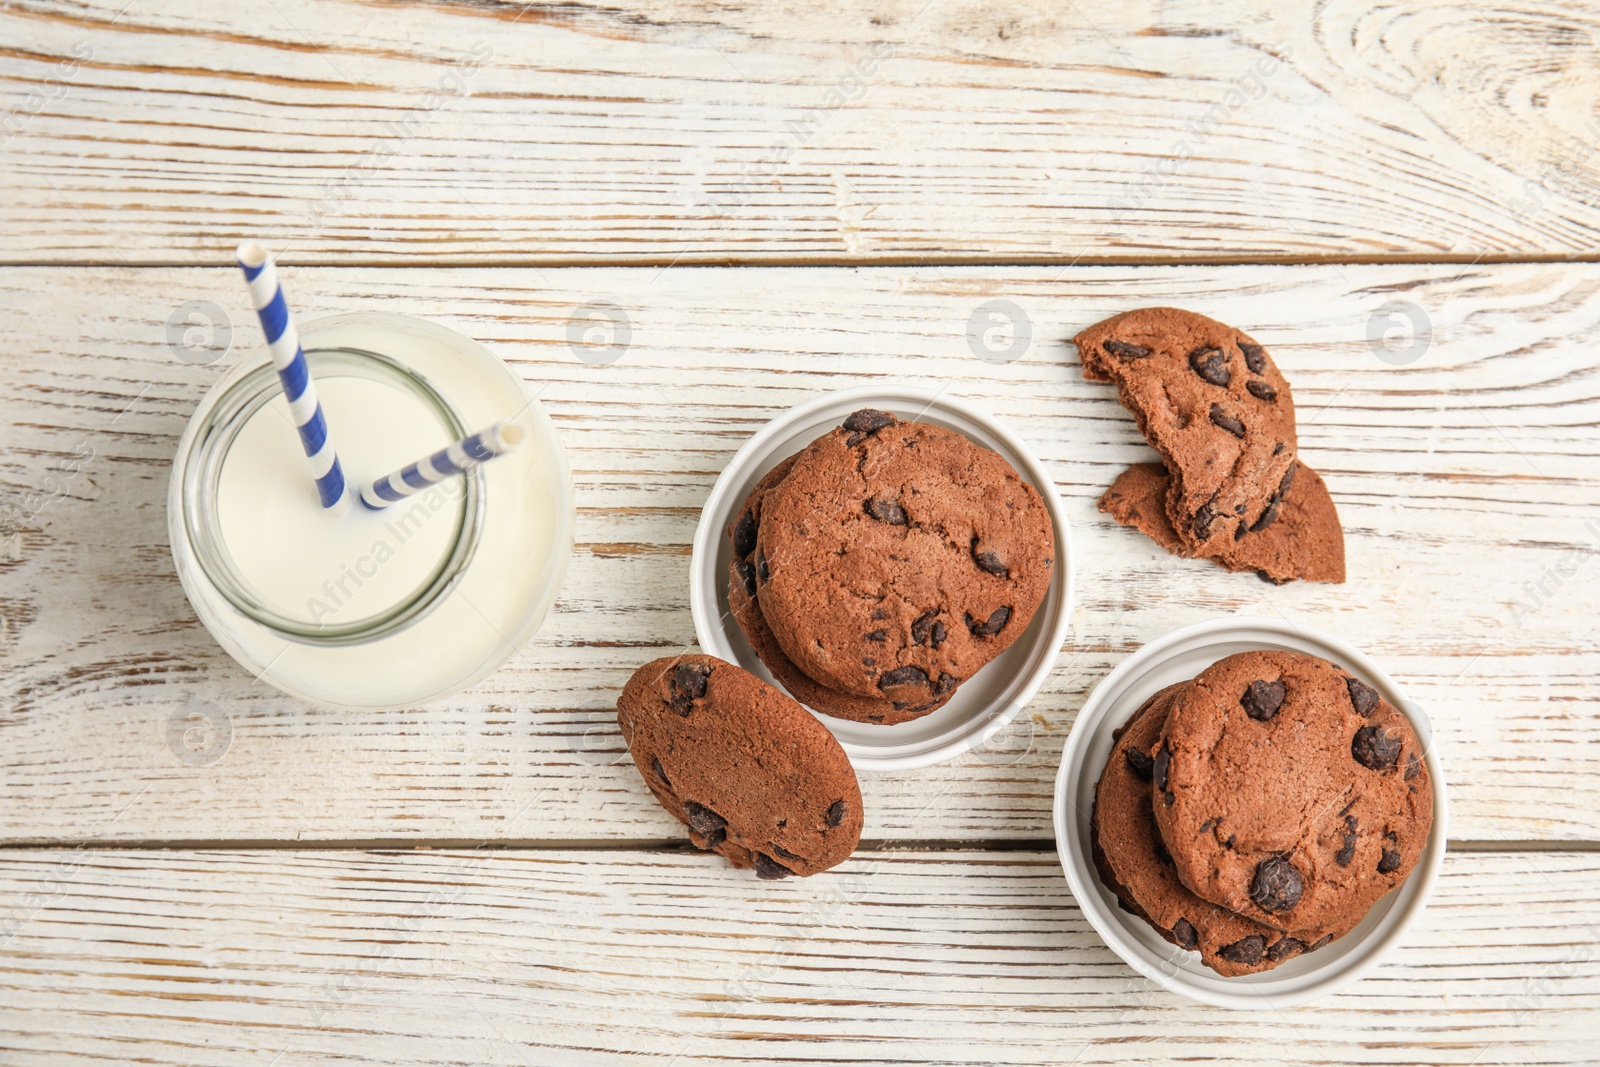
{"points": [[579, 958], [1466, 479], [163, 131]]}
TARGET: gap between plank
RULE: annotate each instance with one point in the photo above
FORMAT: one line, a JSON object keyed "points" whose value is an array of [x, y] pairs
{"points": [[1031, 844], [836, 262]]}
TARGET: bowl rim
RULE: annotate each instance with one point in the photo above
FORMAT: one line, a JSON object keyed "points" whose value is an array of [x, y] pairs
{"points": [[711, 631], [1246, 992]]}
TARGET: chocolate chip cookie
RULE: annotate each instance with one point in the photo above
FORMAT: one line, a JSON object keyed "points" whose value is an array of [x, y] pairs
{"points": [[1213, 403], [1134, 864], [1289, 791], [751, 773], [898, 558], [1305, 542], [746, 610]]}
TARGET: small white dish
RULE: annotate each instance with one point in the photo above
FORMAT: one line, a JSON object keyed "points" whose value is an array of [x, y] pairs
{"points": [[1178, 656], [986, 702]]}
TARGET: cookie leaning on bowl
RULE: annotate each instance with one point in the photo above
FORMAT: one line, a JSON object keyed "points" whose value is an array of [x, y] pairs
{"points": [[896, 559], [753, 775], [745, 607]]}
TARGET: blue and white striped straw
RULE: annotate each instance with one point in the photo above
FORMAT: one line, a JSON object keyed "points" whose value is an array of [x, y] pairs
{"points": [[458, 458], [283, 341]]}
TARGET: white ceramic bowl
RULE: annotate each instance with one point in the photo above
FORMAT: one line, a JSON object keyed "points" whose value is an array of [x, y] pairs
{"points": [[986, 702], [1180, 655]]}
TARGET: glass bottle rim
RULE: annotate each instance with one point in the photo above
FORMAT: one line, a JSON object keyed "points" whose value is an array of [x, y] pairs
{"points": [[202, 468]]}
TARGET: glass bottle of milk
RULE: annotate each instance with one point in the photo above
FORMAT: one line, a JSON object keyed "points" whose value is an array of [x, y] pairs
{"points": [[353, 607]]}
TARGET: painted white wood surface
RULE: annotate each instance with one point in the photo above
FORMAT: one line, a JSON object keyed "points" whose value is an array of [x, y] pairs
{"points": [[1466, 480], [573, 959], [493, 130]]}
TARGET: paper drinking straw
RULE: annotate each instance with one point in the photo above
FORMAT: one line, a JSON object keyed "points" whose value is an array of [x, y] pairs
{"points": [[462, 456], [283, 341]]}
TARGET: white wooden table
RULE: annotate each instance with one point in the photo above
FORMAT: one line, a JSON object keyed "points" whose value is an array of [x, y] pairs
{"points": [[1402, 201]]}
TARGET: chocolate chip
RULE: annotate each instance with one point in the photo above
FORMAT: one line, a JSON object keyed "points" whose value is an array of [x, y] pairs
{"points": [[769, 868], [1140, 763], [744, 535], [1347, 852], [1226, 421], [783, 853], [1286, 481], [868, 421], [1277, 885], [989, 562], [1211, 365], [1246, 950], [1363, 697], [655, 765], [1376, 750], [1261, 391], [1124, 350], [1254, 356], [878, 636], [1187, 936], [886, 511], [1158, 772], [1204, 516], [1239, 532], [903, 676], [990, 626], [1210, 824], [762, 570], [702, 820], [747, 575], [688, 684], [922, 628], [1263, 699], [945, 684], [1319, 942], [938, 636], [715, 838], [1269, 515], [1389, 862], [868, 661], [1285, 948], [835, 814], [1413, 767]]}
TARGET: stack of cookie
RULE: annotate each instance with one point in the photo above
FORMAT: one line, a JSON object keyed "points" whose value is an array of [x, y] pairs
{"points": [[1258, 811], [885, 564], [1229, 486]]}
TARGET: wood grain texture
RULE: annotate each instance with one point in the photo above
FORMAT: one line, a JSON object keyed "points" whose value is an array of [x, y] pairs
{"points": [[686, 130], [572, 959], [1467, 482]]}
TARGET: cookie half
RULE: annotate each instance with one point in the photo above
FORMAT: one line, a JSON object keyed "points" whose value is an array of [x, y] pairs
{"points": [[1288, 791], [896, 559], [1213, 403], [1306, 541], [753, 775], [746, 611], [1134, 863]]}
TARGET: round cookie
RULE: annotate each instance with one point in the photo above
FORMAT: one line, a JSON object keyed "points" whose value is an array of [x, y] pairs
{"points": [[753, 775], [1213, 403], [898, 558], [1134, 864], [1288, 791], [746, 611]]}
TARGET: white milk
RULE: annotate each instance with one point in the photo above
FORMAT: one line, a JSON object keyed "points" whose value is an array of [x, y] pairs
{"points": [[358, 608], [318, 566]]}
